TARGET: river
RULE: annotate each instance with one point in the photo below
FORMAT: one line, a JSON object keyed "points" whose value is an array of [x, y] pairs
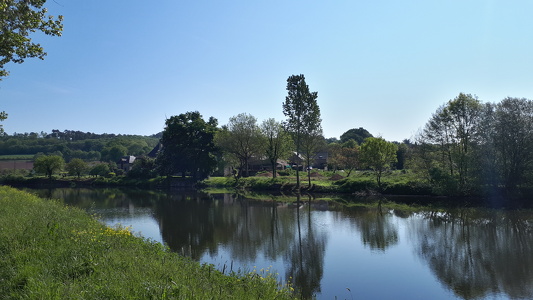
{"points": [[332, 251]]}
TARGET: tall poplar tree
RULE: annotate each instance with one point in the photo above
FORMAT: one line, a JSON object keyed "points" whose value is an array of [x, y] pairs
{"points": [[302, 112]]}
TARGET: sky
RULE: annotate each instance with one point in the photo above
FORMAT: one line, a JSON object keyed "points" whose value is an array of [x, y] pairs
{"points": [[123, 67]]}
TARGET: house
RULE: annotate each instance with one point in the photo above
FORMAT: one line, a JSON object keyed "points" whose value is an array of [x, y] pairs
{"points": [[126, 162], [319, 160]]}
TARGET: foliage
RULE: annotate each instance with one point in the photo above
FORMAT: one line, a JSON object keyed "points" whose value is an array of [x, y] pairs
{"points": [[77, 167], [56, 252], [277, 143], [101, 169], [241, 139], [345, 156], [311, 143], [114, 152], [302, 112], [351, 185], [454, 127], [48, 164], [512, 141], [18, 20], [188, 146], [357, 134], [3, 116], [74, 144], [378, 155], [143, 167]]}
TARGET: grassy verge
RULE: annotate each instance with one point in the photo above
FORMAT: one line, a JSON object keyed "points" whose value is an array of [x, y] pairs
{"points": [[393, 183], [54, 252]]}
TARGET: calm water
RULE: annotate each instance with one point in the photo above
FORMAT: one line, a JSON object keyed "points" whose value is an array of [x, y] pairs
{"points": [[330, 251]]}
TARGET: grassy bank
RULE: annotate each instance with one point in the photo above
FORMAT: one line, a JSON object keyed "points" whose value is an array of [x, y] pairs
{"points": [[54, 252], [360, 182]]}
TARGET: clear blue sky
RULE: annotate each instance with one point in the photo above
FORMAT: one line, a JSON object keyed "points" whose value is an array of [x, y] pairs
{"points": [[124, 66]]}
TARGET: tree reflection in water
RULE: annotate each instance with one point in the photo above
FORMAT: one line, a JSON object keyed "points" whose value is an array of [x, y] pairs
{"points": [[477, 252], [193, 224], [306, 254]]}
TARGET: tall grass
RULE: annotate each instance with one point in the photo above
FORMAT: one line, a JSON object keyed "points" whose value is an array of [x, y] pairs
{"points": [[54, 252]]}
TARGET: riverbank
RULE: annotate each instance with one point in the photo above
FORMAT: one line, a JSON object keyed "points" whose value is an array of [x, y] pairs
{"points": [[52, 251], [360, 183]]}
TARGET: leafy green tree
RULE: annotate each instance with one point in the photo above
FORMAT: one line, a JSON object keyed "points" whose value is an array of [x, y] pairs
{"points": [[48, 164], [401, 155], [18, 19], [311, 143], [242, 139], [454, 128], [513, 140], [77, 167], [302, 112], [348, 156], [3, 116], [188, 146], [114, 153], [378, 155], [356, 134], [100, 170], [143, 167], [277, 143], [333, 153]]}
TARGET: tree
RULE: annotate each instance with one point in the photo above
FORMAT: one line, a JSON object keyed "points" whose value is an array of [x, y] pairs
{"points": [[114, 152], [310, 143], [454, 127], [277, 144], [348, 156], [188, 146], [100, 169], [18, 19], [242, 139], [356, 134], [77, 167], [3, 116], [143, 167], [513, 140], [48, 164], [302, 112], [378, 155]]}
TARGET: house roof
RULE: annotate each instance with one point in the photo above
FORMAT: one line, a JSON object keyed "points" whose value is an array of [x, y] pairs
{"points": [[128, 159], [156, 150]]}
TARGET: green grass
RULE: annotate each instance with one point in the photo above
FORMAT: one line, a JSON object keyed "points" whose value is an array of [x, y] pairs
{"points": [[393, 183], [54, 252]]}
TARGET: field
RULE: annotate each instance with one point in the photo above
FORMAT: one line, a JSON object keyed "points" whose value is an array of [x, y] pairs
{"points": [[15, 164]]}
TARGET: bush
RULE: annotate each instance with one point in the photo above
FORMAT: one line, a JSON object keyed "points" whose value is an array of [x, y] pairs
{"points": [[407, 188], [350, 185]]}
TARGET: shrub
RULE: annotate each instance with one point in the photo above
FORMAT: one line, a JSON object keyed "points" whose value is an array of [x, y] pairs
{"points": [[350, 185]]}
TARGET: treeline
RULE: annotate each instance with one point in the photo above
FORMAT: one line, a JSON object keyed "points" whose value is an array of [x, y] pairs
{"points": [[71, 144], [469, 147]]}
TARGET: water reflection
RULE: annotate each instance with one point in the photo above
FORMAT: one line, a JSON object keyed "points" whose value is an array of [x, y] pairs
{"points": [[322, 249], [377, 230], [477, 253]]}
